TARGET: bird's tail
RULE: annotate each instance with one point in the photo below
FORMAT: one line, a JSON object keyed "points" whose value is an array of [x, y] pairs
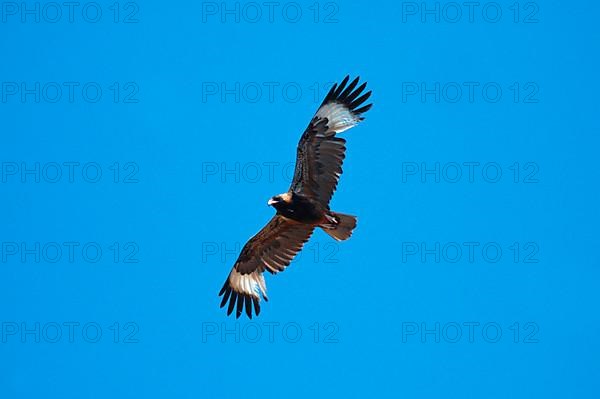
{"points": [[339, 225]]}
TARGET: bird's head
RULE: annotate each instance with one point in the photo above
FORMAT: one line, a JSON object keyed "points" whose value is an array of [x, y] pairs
{"points": [[280, 200]]}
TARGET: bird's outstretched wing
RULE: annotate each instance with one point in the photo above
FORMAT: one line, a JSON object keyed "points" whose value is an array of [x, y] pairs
{"points": [[271, 249], [320, 152]]}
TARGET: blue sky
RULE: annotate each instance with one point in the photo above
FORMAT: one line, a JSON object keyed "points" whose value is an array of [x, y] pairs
{"points": [[141, 141]]}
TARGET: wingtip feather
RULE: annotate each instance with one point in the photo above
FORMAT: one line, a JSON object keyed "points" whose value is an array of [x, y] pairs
{"points": [[351, 97]]}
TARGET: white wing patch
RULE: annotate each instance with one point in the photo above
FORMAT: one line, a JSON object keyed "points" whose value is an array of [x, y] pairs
{"points": [[339, 117], [250, 284]]}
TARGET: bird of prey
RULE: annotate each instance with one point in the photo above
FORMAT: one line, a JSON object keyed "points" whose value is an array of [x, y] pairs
{"points": [[305, 206]]}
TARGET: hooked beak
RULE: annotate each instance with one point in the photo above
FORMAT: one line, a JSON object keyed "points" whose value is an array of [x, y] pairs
{"points": [[271, 202]]}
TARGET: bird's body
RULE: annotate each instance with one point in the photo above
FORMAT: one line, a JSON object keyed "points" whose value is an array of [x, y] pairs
{"points": [[299, 208], [305, 206], [302, 209]]}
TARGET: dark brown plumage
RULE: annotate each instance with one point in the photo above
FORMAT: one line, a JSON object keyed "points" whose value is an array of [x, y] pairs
{"points": [[305, 206]]}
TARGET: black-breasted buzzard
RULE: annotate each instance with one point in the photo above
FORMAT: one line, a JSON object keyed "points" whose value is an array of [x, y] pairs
{"points": [[305, 206]]}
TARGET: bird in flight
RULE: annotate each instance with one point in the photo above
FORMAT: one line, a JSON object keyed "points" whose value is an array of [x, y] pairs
{"points": [[305, 206]]}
